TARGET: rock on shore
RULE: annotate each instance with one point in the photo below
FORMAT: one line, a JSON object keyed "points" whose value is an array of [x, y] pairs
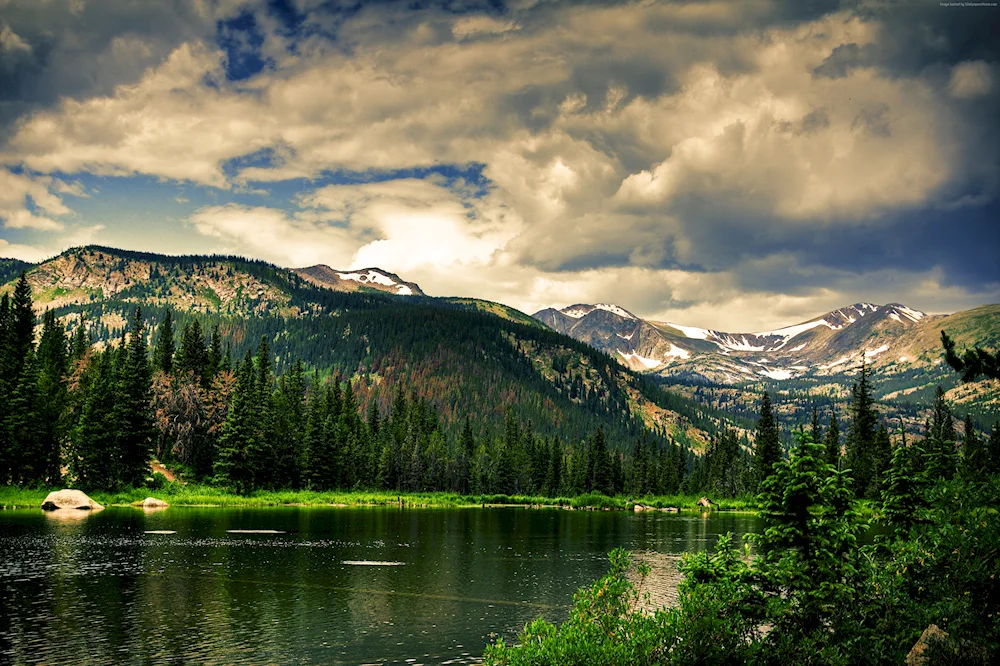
{"points": [[69, 498], [153, 503]]}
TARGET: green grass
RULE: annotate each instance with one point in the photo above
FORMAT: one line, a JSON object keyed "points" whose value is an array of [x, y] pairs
{"points": [[178, 494]]}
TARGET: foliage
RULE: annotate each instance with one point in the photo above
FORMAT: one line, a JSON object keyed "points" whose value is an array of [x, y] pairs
{"points": [[812, 594], [973, 362]]}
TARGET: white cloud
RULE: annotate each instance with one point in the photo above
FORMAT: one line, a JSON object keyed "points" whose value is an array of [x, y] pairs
{"points": [[620, 142], [17, 191], [274, 235], [970, 79], [22, 252]]}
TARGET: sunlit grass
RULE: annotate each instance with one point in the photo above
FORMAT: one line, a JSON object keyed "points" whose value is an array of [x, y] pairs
{"points": [[178, 494]]}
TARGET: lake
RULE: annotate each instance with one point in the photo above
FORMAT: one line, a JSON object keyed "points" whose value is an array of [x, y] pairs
{"points": [[326, 586]]}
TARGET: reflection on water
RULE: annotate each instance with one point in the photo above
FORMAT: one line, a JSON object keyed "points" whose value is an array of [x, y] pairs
{"points": [[311, 585]]}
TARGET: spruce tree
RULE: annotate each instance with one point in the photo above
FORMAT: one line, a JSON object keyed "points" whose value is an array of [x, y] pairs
{"points": [[163, 353], [601, 464], [53, 364], [832, 442], [816, 430], [881, 459], [192, 356], [903, 490], [973, 452], [943, 456], [81, 340], [136, 433], [767, 448], [804, 554], [861, 434], [92, 461], [233, 466]]}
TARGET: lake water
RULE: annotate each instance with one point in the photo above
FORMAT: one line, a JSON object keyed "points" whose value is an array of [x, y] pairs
{"points": [[328, 586]]}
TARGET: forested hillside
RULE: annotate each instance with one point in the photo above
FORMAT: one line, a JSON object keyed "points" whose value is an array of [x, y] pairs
{"points": [[535, 405]]}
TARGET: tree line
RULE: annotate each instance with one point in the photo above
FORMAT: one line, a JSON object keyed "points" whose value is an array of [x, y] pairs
{"points": [[98, 414]]}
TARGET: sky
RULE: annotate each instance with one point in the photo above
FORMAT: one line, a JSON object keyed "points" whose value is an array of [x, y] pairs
{"points": [[739, 165]]}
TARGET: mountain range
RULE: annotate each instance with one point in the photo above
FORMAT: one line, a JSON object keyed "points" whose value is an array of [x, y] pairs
{"points": [[479, 357], [469, 357], [821, 356]]}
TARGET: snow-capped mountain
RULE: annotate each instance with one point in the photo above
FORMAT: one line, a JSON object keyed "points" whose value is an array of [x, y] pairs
{"points": [[362, 279], [892, 336]]}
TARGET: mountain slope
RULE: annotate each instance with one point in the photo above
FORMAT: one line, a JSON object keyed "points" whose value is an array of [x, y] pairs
{"points": [[818, 357], [11, 268], [364, 279], [470, 358]]}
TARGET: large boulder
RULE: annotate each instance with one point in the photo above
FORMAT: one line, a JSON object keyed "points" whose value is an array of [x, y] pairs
{"points": [[153, 503], [918, 653], [68, 498], [707, 503]]}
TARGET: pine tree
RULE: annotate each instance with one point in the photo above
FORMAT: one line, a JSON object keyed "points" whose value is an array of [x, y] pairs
{"points": [[136, 431], [22, 460], [973, 452], [53, 365], [601, 479], [81, 341], [804, 552], [861, 434], [832, 441], [903, 490], [236, 438], [767, 448], [881, 459], [466, 449], [93, 442], [816, 430], [940, 447], [163, 353], [214, 358], [192, 356]]}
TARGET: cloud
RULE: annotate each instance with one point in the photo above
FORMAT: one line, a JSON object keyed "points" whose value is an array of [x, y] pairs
{"points": [[970, 80], [22, 252], [274, 235], [719, 153], [26, 202], [410, 226]]}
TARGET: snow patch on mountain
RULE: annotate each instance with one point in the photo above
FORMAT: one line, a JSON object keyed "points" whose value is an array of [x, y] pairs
{"points": [[369, 276], [579, 311], [677, 352], [777, 374], [692, 332], [650, 363], [792, 331], [738, 344], [875, 352]]}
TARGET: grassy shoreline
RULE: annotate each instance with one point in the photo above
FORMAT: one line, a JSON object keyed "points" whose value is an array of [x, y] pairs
{"points": [[209, 496]]}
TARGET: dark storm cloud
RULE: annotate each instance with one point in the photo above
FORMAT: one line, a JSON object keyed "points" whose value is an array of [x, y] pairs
{"points": [[82, 49]]}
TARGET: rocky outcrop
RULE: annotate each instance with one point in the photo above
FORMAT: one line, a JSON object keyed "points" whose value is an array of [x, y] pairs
{"points": [[153, 503], [918, 653], [69, 498]]}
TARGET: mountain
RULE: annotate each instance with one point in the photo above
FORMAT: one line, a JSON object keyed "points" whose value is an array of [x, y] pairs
{"points": [[901, 344], [468, 357], [364, 279], [11, 268]]}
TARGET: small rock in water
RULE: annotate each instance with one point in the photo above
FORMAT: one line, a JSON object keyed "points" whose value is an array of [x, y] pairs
{"points": [[256, 531], [161, 531], [153, 503]]}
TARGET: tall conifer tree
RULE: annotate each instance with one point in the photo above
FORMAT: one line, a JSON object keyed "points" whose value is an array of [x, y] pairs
{"points": [[767, 448]]}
